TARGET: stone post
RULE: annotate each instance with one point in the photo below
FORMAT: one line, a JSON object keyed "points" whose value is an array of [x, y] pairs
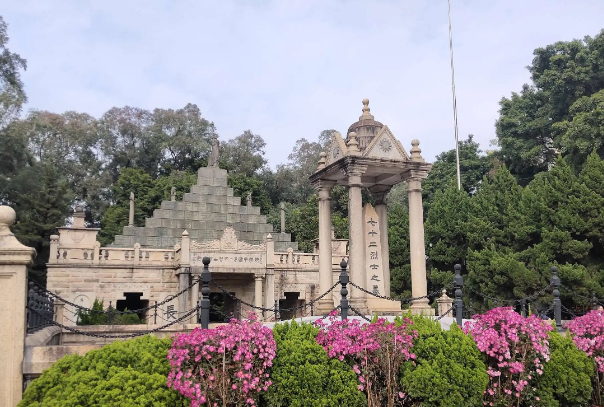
{"points": [[59, 311], [14, 259], [96, 254], [269, 298], [444, 303], [184, 273], [131, 213], [325, 305], [173, 194], [137, 253], [282, 217], [356, 259], [54, 249], [380, 194], [419, 284], [258, 293]]}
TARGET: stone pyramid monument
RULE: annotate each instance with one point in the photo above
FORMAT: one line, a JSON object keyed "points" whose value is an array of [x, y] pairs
{"points": [[204, 212]]}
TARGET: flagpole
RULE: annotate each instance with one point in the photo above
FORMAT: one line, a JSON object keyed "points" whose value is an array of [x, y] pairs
{"points": [[454, 99]]}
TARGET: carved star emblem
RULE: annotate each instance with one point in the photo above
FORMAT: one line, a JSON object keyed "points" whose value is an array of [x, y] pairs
{"points": [[385, 145]]}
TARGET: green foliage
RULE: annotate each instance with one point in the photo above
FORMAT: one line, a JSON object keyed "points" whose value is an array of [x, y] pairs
{"points": [[12, 95], [303, 375], [449, 368], [473, 167], [149, 194], [41, 198], [97, 318], [398, 240], [566, 379], [243, 184], [123, 374], [561, 111]]}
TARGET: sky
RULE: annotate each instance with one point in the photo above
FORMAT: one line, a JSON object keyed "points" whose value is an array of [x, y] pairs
{"points": [[289, 69]]}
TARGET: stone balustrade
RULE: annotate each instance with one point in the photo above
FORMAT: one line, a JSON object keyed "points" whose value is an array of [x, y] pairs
{"points": [[115, 256]]}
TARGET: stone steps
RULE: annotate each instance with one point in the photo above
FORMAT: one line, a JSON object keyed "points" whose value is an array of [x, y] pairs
{"points": [[204, 212]]}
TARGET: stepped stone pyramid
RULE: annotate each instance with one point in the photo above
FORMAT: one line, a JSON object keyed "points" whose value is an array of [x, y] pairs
{"points": [[204, 212]]}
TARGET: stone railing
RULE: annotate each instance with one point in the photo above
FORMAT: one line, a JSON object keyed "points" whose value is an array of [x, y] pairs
{"points": [[116, 256], [298, 260], [290, 259]]}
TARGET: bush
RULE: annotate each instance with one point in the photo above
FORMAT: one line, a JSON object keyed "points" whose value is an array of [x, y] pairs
{"points": [[448, 371], [123, 374], [304, 375], [566, 379], [99, 318]]}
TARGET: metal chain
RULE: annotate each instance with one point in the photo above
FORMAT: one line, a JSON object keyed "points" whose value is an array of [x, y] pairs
{"points": [[133, 335], [353, 309], [590, 299], [445, 314], [404, 300], [305, 305], [135, 311]]}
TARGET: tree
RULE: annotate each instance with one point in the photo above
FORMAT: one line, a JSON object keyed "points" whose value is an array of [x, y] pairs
{"points": [[584, 132], [244, 154], [473, 167], [128, 142], [12, 94], [398, 240], [537, 124], [185, 137], [446, 230], [42, 200]]}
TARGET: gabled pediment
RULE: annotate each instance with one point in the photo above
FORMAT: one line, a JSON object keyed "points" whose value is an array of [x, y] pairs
{"points": [[385, 145], [337, 148]]}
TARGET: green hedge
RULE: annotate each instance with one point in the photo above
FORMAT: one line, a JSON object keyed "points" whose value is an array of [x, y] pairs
{"points": [[303, 374], [123, 374], [449, 370], [567, 377]]}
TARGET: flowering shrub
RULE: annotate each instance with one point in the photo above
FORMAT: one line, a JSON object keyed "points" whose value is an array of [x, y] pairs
{"points": [[376, 352], [588, 335], [516, 349], [225, 366]]}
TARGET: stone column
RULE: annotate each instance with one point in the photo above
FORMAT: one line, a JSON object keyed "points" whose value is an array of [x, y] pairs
{"points": [[131, 213], [258, 293], [356, 250], [419, 284], [14, 259], [380, 194], [325, 305], [269, 297], [282, 217], [183, 277]]}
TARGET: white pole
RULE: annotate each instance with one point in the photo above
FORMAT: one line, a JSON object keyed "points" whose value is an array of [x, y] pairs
{"points": [[454, 99]]}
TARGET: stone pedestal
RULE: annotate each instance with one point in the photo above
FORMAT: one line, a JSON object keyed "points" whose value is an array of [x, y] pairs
{"points": [[14, 259], [258, 293]]}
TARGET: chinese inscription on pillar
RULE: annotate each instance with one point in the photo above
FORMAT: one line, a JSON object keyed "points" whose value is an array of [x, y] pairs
{"points": [[373, 253]]}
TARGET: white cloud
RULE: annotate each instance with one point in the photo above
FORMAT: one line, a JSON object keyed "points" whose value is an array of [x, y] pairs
{"points": [[289, 69]]}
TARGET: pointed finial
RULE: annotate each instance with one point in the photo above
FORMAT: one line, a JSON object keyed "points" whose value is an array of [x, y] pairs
{"points": [[322, 159], [353, 144], [416, 151], [185, 233], [366, 111]]}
